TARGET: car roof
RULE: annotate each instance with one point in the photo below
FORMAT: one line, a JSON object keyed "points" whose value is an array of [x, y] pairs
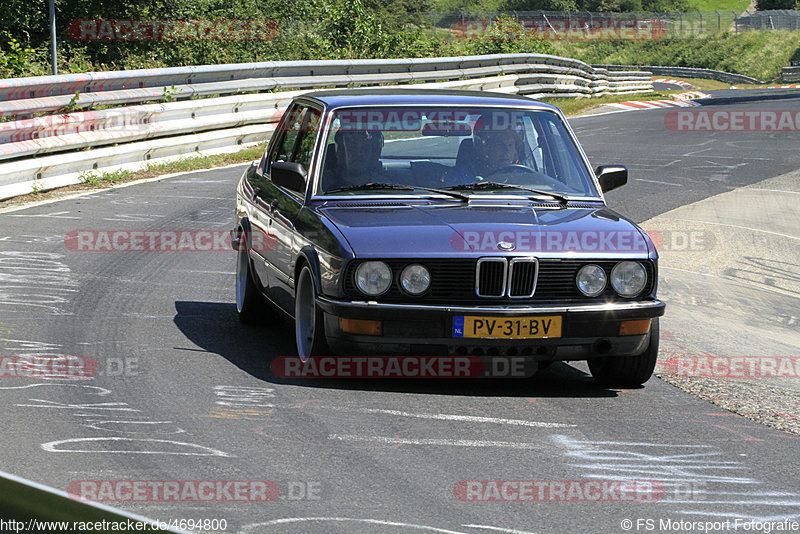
{"points": [[334, 98]]}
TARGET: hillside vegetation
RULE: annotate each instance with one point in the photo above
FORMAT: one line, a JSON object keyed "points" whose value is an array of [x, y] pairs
{"points": [[336, 29], [757, 54]]}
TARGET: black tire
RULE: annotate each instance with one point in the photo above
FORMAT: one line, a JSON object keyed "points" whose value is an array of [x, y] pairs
{"points": [[627, 371], [308, 319], [250, 305]]}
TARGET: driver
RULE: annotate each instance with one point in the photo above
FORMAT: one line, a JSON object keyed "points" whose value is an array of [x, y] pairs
{"points": [[496, 148], [492, 150], [357, 159]]}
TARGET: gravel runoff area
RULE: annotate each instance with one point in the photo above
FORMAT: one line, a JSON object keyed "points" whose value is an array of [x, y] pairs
{"points": [[730, 274]]}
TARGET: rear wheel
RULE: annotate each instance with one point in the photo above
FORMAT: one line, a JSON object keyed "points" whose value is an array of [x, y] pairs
{"points": [[250, 305], [623, 371], [308, 319]]}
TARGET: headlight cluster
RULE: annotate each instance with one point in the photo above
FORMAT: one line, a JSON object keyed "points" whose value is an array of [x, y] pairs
{"points": [[628, 278], [374, 278]]}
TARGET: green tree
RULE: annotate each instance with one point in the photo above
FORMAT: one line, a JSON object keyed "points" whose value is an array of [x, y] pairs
{"points": [[763, 5]]}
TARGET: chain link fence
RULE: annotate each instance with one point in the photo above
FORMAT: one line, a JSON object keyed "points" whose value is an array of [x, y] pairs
{"points": [[584, 25], [778, 19]]}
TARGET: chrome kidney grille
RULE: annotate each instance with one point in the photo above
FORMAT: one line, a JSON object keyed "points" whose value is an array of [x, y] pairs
{"points": [[501, 277]]}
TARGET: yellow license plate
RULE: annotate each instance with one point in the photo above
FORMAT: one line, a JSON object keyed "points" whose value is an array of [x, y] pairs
{"points": [[507, 327]]}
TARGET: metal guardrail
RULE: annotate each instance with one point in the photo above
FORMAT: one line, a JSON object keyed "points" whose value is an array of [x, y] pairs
{"points": [[687, 72], [790, 74], [27, 506], [183, 124]]}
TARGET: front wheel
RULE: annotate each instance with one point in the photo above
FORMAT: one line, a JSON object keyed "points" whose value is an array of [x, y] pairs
{"points": [[250, 306], [623, 371], [308, 319]]}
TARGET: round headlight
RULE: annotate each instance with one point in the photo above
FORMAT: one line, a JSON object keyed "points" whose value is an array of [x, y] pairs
{"points": [[415, 279], [628, 278], [373, 278], [591, 280]]}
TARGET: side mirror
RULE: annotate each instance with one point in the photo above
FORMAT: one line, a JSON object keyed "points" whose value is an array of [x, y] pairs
{"points": [[289, 174], [611, 177]]}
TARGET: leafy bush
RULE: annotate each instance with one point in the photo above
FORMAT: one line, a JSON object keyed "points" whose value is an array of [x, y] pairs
{"points": [[17, 60]]}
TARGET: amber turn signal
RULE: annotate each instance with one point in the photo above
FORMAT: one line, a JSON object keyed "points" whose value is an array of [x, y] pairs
{"points": [[634, 328], [361, 327]]}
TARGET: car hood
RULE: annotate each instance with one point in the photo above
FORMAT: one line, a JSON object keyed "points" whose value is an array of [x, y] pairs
{"points": [[399, 229]]}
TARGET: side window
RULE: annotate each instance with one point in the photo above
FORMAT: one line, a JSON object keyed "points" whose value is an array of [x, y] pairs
{"points": [[292, 127], [307, 137]]}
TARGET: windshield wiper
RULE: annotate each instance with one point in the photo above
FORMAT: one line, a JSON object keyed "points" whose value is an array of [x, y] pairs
{"points": [[398, 187], [499, 185], [371, 185]]}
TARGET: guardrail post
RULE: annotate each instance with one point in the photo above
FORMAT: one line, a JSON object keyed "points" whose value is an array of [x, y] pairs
{"points": [[701, 20], [735, 21], [719, 20], [53, 47]]}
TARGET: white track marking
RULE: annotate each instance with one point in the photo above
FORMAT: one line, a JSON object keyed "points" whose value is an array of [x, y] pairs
{"points": [[53, 446], [499, 529], [468, 418], [739, 226], [657, 182], [391, 440], [381, 522], [103, 391]]}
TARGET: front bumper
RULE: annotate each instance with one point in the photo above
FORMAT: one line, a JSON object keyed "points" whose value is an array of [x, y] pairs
{"points": [[588, 329]]}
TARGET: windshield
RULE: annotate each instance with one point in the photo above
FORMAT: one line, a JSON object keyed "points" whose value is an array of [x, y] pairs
{"points": [[451, 148]]}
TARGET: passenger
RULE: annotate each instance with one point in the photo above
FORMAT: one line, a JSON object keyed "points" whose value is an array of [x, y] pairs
{"points": [[357, 160]]}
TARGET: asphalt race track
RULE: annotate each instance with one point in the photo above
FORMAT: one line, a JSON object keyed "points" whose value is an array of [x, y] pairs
{"points": [[183, 392]]}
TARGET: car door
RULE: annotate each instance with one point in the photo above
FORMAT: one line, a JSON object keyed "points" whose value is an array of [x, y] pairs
{"points": [[295, 145], [266, 195]]}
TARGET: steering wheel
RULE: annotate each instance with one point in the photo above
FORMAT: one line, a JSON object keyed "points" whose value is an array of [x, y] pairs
{"points": [[516, 167]]}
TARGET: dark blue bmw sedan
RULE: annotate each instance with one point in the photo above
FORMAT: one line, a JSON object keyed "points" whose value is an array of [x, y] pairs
{"points": [[408, 222]]}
